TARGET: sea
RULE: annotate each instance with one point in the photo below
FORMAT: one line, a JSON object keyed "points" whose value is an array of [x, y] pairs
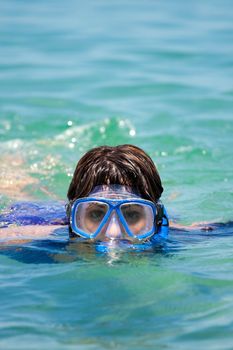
{"points": [[157, 74]]}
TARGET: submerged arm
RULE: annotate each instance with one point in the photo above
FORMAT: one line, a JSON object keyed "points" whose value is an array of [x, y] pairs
{"points": [[15, 234]]}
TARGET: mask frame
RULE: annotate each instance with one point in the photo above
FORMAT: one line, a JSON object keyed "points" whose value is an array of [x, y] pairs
{"points": [[113, 204]]}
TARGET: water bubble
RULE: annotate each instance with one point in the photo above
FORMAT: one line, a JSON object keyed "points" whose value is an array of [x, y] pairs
{"points": [[132, 132], [102, 129], [34, 166], [15, 144], [121, 123], [69, 123]]}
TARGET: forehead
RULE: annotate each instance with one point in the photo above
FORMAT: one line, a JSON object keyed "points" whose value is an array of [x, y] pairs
{"points": [[113, 192]]}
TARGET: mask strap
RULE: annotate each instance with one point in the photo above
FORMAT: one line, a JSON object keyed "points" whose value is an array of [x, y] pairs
{"points": [[68, 207], [160, 214]]}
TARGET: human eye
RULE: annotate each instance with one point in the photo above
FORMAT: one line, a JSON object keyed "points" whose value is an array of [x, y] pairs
{"points": [[132, 214], [95, 213]]}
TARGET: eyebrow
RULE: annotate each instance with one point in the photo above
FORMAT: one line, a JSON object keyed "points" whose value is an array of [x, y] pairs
{"points": [[93, 205]]}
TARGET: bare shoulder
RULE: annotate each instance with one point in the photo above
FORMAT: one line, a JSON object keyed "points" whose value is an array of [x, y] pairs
{"points": [[203, 226], [29, 232]]}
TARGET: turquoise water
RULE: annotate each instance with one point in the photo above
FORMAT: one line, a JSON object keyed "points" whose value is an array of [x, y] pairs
{"points": [[74, 75]]}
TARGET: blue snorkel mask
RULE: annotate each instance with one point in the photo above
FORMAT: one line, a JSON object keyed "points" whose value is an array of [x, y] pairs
{"points": [[115, 212]]}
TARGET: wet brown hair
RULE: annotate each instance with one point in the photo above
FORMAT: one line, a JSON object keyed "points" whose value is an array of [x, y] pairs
{"points": [[126, 165]]}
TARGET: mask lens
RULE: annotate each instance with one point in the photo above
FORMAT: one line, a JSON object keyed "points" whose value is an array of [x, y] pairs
{"points": [[139, 217], [89, 215]]}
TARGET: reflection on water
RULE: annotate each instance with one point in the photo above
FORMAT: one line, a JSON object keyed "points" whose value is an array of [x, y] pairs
{"points": [[61, 249]]}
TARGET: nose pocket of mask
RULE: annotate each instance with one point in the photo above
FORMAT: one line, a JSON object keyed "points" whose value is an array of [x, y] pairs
{"points": [[113, 228]]}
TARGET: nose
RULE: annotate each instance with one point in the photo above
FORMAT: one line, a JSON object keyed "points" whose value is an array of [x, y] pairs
{"points": [[113, 230]]}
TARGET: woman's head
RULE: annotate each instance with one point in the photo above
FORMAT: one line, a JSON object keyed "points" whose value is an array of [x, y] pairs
{"points": [[126, 165]]}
